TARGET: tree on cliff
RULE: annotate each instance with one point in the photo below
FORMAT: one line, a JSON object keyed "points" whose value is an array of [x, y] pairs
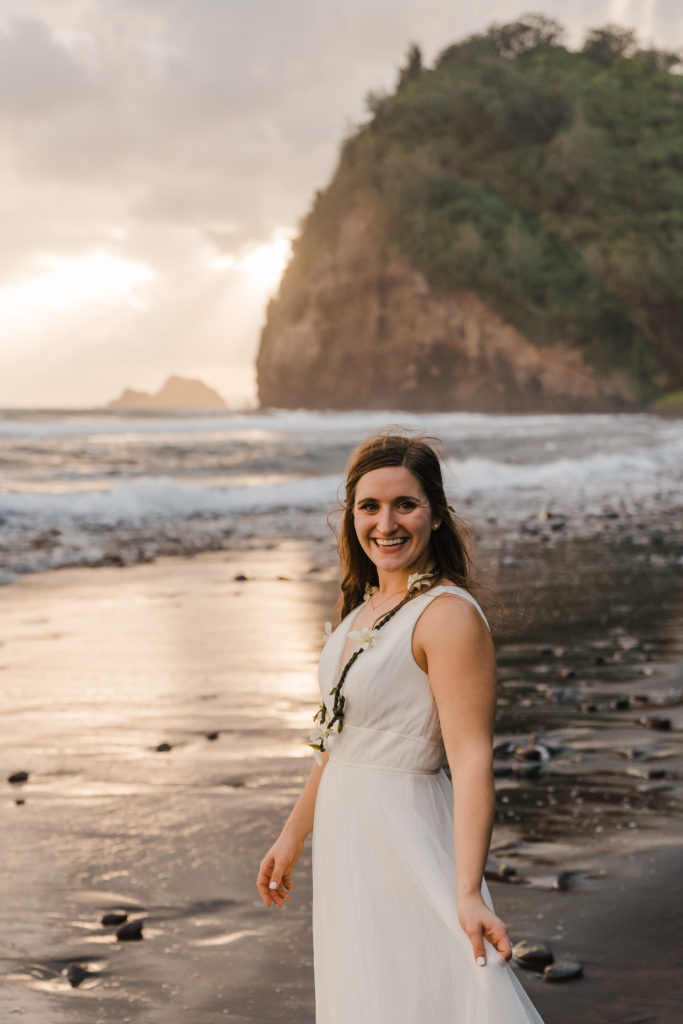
{"points": [[544, 179]]}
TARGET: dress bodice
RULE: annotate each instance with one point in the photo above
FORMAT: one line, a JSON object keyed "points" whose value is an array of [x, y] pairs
{"points": [[391, 719]]}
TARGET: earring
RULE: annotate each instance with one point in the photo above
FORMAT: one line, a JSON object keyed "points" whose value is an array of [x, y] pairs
{"points": [[435, 526]]}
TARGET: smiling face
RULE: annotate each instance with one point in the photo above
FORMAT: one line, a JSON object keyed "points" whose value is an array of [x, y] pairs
{"points": [[393, 521]]}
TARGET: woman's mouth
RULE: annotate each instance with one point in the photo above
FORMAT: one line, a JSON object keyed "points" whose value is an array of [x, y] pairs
{"points": [[393, 542]]}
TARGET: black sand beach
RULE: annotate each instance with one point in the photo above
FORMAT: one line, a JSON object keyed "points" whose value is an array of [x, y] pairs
{"points": [[101, 666]]}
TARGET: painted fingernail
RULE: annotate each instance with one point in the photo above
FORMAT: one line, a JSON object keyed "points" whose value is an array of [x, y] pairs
{"points": [[273, 885], [481, 960]]}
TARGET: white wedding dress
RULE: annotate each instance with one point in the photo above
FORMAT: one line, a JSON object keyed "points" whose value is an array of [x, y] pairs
{"points": [[388, 946]]}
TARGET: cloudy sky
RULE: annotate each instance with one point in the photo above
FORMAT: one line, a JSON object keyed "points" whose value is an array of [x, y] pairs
{"points": [[157, 155]]}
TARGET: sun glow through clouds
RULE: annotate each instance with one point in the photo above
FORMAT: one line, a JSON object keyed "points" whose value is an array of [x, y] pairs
{"points": [[64, 284], [264, 263]]}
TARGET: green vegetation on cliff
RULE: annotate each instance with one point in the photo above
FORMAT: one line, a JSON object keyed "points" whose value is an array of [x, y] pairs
{"points": [[548, 180]]}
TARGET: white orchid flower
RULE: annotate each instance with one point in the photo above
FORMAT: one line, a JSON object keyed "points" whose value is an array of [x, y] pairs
{"points": [[364, 636], [328, 632], [419, 579], [369, 591]]}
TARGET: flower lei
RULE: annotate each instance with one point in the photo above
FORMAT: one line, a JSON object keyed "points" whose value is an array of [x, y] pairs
{"points": [[365, 637]]}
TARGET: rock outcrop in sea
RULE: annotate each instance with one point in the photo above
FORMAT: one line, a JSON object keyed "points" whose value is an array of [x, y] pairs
{"points": [[178, 393]]}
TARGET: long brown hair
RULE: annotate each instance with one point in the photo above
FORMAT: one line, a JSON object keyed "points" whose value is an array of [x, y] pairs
{"points": [[449, 542]]}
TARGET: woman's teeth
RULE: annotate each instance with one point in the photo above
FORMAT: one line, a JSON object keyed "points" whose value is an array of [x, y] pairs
{"points": [[390, 543]]}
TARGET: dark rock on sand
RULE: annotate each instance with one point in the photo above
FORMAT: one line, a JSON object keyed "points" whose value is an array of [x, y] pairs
{"points": [[163, 747], [563, 970], [130, 932], [659, 722], [18, 777], [634, 753], [533, 956], [647, 773], [20, 802], [212, 735], [566, 880], [504, 749], [502, 873], [240, 578], [533, 752], [75, 974], [114, 917]]}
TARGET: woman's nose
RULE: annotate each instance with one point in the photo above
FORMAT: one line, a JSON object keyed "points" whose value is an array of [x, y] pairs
{"points": [[386, 521]]}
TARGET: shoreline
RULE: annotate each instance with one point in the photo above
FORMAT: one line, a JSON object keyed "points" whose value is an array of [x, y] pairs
{"points": [[103, 665]]}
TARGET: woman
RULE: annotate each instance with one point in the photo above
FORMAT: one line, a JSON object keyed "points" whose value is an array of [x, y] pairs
{"points": [[404, 929]]}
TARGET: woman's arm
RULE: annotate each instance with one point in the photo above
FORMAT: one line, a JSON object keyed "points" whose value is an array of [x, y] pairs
{"points": [[454, 645], [274, 878]]}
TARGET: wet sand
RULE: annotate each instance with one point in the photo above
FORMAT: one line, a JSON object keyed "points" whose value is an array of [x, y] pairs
{"points": [[100, 666]]}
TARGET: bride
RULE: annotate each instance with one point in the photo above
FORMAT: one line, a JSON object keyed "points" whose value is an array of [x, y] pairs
{"points": [[403, 922]]}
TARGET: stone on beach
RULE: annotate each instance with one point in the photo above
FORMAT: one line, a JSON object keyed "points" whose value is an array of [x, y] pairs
{"points": [[114, 917], [18, 777], [75, 974], [130, 932], [533, 752], [163, 747], [533, 956], [566, 879], [659, 722], [562, 970]]}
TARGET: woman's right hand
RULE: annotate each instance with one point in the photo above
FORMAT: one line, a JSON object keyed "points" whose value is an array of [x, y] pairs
{"points": [[274, 881]]}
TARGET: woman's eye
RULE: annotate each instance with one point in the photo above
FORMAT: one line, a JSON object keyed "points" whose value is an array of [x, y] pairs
{"points": [[369, 506], [407, 506]]}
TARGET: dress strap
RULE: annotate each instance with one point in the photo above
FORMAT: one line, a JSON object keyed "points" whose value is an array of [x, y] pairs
{"points": [[459, 592]]}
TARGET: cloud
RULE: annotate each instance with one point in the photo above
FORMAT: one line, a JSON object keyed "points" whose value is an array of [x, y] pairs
{"points": [[37, 75]]}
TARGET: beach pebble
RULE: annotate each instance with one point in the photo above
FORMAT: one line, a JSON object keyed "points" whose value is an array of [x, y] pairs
{"points": [[634, 753], [212, 735], [240, 578], [568, 672], [20, 801], [565, 880], [534, 956], [533, 752], [130, 932], [75, 974], [114, 917], [563, 970], [647, 773], [620, 703], [659, 722], [504, 748], [18, 777], [163, 747]]}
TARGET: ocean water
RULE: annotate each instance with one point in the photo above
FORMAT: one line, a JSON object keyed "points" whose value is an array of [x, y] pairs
{"points": [[90, 488]]}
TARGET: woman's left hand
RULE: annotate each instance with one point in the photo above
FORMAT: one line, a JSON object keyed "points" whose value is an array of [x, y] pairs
{"points": [[479, 923]]}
